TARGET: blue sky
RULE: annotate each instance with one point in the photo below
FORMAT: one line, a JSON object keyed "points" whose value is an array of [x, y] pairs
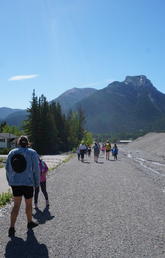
{"points": [[54, 45]]}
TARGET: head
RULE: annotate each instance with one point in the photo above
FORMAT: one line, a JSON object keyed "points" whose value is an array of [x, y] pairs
{"points": [[23, 141]]}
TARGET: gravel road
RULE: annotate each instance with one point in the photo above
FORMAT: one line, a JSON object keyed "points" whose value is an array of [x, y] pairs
{"points": [[108, 209]]}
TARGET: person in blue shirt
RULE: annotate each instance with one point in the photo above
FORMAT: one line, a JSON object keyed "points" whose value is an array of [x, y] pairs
{"points": [[23, 175], [115, 151]]}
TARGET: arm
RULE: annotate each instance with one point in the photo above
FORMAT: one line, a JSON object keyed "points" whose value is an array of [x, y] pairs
{"points": [[36, 169], [7, 167]]}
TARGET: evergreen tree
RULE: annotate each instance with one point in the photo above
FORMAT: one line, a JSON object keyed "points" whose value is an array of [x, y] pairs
{"points": [[32, 124], [49, 130]]}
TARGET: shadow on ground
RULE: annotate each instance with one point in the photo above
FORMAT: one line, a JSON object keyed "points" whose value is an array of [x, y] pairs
{"points": [[43, 216], [18, 248]]}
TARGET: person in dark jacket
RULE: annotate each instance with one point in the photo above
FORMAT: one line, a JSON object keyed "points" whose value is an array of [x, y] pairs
{"points": [[115, 151], [96, 149], [23, 174]]}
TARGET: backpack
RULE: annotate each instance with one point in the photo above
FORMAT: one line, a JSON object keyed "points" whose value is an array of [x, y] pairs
{"points": [[96, 148], [114, 151], [18, 163]]}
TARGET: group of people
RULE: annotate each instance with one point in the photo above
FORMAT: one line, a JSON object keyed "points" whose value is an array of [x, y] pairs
{"points": [[83, 149], [25, 173]]}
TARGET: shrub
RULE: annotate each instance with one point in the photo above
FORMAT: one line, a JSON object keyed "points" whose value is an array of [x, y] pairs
{"points": [[5, 198]]}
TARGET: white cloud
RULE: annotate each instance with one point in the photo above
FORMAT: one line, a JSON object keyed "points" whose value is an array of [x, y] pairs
{"points": [[23, 77]]}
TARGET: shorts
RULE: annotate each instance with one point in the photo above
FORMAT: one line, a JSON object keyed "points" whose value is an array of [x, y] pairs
{"points": [[23, 190]]}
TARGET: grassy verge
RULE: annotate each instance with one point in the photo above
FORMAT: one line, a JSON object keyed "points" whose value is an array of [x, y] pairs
{"points": [[5, 198]]}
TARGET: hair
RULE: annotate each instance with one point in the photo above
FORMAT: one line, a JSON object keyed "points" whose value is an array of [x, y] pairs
{"points": [[23, 141]]}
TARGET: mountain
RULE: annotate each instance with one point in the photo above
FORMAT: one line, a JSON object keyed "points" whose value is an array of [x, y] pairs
{"points": [[66, 100], [16, 118], [70, 97], [131, 105], [5, 111], [128, 106]]}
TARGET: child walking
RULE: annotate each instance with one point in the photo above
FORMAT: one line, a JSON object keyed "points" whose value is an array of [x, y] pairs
{"points": [[43, 173], [115, 151]]}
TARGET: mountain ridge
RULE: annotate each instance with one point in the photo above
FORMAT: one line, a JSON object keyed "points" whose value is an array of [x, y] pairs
{"points": [[131, 105]]}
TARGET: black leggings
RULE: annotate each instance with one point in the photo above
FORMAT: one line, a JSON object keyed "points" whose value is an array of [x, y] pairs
{"points": [[43, 189]]}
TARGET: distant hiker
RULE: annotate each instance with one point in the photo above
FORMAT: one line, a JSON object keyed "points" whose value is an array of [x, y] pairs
{"points": [[43, 172], [107, 149], [115, 151], [96, 149], [89, 151], [22, 173], [103, 148], [83, 149], [78, 152]]}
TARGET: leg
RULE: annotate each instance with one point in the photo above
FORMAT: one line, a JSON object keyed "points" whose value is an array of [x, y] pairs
{"points": [[43, 189], [37, 189], [28, 209], [15, 210], [31, 224]]}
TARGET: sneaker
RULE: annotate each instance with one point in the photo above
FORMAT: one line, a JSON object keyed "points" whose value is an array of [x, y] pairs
{"points": [[32, 224], [11, 232]]}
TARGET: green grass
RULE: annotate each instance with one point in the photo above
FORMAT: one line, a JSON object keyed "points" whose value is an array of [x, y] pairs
{"points": [[5, 198], [2, 162]]}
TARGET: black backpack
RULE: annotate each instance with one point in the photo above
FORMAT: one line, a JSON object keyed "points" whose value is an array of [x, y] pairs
{"points": [[18, 163]]}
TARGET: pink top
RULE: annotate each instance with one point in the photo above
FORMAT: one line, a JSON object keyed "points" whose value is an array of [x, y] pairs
{"points": [[43, 170]]}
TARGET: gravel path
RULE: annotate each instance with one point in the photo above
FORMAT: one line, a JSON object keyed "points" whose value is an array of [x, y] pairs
{"points": [[107, 209]]}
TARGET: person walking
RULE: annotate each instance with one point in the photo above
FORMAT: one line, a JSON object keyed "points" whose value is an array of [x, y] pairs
{"points": [[115, 151], [23, 174], [96, 149], [89, 150], [107, 149], [43, 172], [78, 153], [83, 149]]}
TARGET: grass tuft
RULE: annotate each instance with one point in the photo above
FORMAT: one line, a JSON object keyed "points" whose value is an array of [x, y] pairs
{"points": [[5, 198]]}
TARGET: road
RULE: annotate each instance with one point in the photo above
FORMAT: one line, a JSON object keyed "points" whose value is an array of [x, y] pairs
{"points": [[108, 209]]}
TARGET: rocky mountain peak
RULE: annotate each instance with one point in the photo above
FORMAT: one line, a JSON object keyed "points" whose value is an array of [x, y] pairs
{"points": [[139, 80]]}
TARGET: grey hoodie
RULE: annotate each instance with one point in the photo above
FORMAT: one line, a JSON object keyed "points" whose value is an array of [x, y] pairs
{"points": [[31, 175]]}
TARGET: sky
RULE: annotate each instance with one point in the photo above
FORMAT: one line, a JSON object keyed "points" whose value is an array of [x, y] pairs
{"points": [[55, 45]]}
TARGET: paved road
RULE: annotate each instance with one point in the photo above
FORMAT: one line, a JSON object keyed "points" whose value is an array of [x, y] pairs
{"points": [[110, 209]]}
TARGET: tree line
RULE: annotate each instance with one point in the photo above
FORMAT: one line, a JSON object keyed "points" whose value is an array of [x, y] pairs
{"points": [[50, 131]]}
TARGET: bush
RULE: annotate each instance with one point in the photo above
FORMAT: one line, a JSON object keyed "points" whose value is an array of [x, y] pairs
{"points": [[5, 150], [2, 160], [5, 198]]}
